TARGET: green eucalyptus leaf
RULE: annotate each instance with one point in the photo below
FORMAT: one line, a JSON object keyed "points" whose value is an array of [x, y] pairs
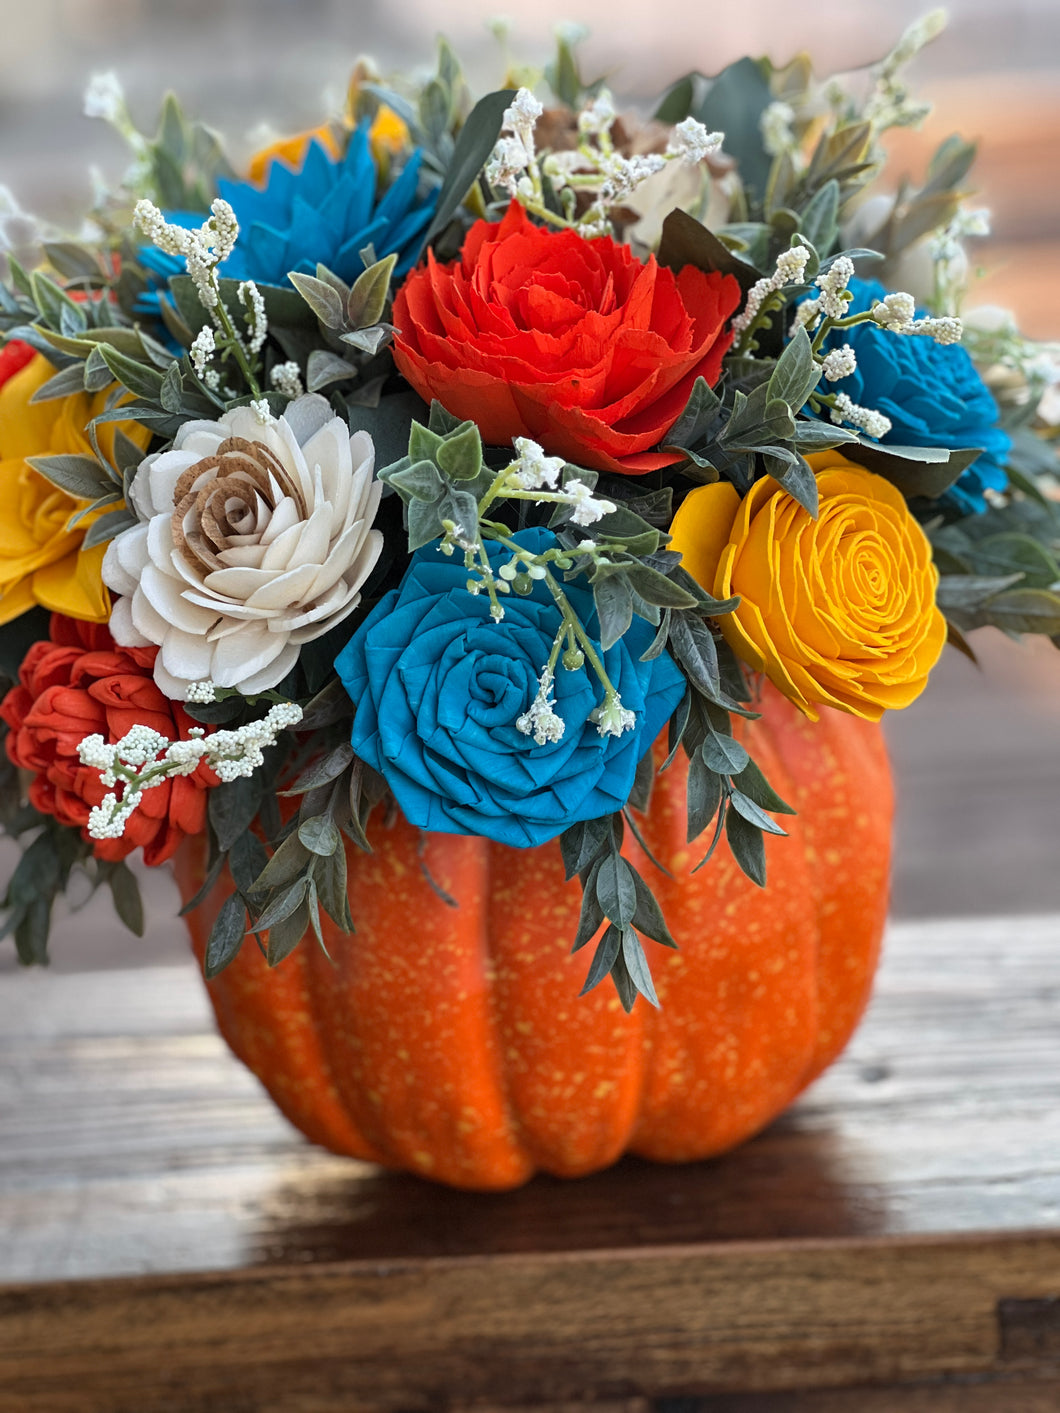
{"points": [[819, 220], [724, 754], [367, 299], [637, 965], [140, 379], [752, 783], [285, 935], [325, 368], [614, 608], [282, 906], [747, 845], [460, 454], [925, 471], [107, 526], [320, 835], [969, 592], [754, 814], [125, 892], [82, 477], [477, 139], [581, 842], [686, 241], [704, 794], [649, 917], [607, 950], [616, 891], [734, 104], [692, 644], [1024, 611], [322, 299], [226, 936], [795, 374]]}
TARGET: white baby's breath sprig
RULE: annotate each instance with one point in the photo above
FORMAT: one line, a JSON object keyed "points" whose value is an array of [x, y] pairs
{"points": [[611, 718], [202, 251], [202, 350], [286, 378], [766, 294], [253, 302], [889, 104], [775, 125], [873, 424], [534, 469], [203, 692], [587, 507], [104, 98], [541, 720], [144, 759], [594, 168], [839, 363], [895, 311]]}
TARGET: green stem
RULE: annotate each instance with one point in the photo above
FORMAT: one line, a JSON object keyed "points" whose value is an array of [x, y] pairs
{"points": [[233, 343]]}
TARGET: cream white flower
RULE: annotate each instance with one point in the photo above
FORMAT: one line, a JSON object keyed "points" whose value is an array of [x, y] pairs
{"points": [[253, 539]]}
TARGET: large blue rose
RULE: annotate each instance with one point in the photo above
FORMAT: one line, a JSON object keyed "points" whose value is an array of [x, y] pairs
{"points": [[438, 687], [932, 395], [326, 212]]}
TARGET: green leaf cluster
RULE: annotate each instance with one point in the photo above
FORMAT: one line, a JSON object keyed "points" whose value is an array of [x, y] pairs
{"points": [[1001, 569], [441, 478], [616, 898]]}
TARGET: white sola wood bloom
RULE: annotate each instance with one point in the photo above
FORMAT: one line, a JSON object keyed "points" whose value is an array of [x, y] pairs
{"points": [[254, 538]]}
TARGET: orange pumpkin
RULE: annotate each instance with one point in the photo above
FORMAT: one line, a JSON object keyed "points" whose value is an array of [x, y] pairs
{"points": [[453, 1042]]}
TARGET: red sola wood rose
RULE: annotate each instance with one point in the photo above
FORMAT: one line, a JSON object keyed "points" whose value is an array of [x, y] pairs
{"points": [[77, 683], [575, 343]]}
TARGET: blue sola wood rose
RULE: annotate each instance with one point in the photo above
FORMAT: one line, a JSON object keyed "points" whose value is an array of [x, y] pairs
{"points": [[931, 393], [327, 211], [438, 687]]}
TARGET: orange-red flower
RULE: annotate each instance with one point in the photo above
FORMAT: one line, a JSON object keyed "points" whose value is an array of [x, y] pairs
{"points": [[575, 343], [79, 682], [13, 358]]}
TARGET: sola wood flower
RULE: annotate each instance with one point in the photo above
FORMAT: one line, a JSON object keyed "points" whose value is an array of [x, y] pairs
{"points": [[255, 537]]}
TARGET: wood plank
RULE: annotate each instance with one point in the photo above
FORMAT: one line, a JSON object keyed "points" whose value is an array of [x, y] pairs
{"points": [[414, 1334]]}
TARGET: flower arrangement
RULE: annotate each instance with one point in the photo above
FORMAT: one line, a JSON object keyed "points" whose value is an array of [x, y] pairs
{"points": [[452, 454]]}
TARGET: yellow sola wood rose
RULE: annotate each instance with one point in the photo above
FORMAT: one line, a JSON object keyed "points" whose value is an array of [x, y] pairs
{"points": [[41, 560], [839, 611]]}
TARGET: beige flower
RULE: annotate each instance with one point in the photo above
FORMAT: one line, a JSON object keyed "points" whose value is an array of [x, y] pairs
{"points": [[254, 538]]}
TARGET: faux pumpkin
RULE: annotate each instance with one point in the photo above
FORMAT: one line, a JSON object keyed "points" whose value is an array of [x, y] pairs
{"points": [[452, 1041]]}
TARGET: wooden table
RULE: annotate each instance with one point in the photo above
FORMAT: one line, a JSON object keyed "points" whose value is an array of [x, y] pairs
{"points": [[167, 1242]]}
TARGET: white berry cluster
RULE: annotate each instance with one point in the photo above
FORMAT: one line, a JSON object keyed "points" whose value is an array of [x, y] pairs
{"points": [[144, 758], [202, 250], [789, 269]]}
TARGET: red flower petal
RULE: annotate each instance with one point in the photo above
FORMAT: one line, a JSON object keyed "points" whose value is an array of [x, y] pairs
{"points": [[575, 343]]}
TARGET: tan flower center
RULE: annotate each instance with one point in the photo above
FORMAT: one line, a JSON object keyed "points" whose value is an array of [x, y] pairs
{"points": [[227, 500]]}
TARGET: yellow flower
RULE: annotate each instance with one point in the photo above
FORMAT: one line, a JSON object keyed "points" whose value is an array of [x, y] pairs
{"points": [[41, 561], [838, 611], [291, 150], [387, 136]]}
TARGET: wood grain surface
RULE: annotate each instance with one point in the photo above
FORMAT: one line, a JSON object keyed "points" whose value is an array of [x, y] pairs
{"points": [[169, 1243]]}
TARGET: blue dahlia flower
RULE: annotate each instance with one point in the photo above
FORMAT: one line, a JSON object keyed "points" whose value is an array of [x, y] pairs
{"points": [[439, 687], [931, 393], [325, 213]]}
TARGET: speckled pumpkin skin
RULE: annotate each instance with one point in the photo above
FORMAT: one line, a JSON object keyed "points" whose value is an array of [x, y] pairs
{"points": [[452, 1041]]}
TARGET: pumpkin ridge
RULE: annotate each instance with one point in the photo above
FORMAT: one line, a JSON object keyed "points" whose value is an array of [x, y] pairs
{"points": [[487, 1064]]}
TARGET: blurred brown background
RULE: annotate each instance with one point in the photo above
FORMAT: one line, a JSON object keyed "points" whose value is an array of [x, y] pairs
{"points": [[978, 757]]}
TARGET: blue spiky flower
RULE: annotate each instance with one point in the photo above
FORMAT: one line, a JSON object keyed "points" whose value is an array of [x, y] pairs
{"points": [[325, 213]]}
